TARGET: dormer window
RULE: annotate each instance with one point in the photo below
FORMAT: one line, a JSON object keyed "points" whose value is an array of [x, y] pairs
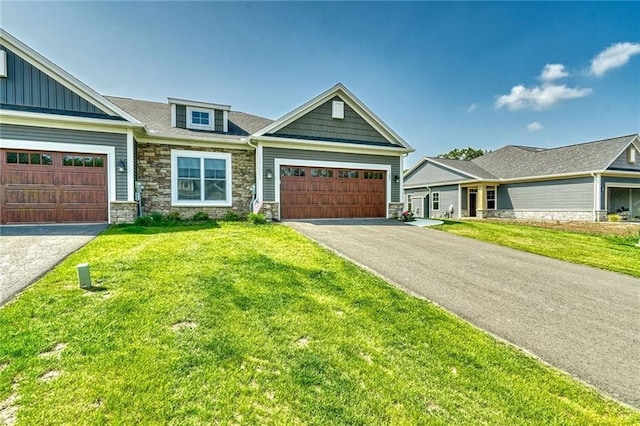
{"points": [[199, 119], [199, 115]]}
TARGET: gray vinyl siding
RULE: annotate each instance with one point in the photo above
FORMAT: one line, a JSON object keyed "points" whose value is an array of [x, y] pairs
{"points": [[181, 116], [424, 208], [562, 194], [28, 87], [318, 124], [621, 162], [448, 197], [431, 173], [464, 199], [270, 154], [119, 141]]}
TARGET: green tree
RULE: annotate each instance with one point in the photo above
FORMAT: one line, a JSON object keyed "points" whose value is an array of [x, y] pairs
{"points": [[463, 153]]}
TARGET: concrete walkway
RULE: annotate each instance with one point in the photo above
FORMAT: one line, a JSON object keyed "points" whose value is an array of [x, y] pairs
{"points": [[28, 251], [582, 320]]}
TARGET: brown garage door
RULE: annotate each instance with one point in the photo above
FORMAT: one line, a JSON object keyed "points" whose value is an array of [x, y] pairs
{"points": [[314, 192], [52, 187]]}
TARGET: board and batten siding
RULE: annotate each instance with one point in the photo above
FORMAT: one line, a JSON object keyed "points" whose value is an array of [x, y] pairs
{"points": [[318, 125], [270, 154], [81, 137], [448, 197], [431, 173], [621, 163], [27, 87], [562, 194]]}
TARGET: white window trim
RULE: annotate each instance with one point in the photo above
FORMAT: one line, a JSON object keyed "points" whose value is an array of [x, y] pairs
{"points": [[495, 197], [175, 153], [631, 155], [212, 119], [432, 201], [337, 110]]}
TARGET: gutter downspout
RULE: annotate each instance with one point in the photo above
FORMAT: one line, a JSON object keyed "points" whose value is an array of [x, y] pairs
{"points": [[254, 195], [596, 195]]}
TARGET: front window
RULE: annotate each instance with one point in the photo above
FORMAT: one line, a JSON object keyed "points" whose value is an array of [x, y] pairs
{"points": [[491, 198], [199, 119], [201, 178], [435, 201]]}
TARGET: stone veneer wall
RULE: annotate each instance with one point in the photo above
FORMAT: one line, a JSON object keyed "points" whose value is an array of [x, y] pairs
{"points": [[395, 210], [154, 171], [560, 215], [123, 211]]}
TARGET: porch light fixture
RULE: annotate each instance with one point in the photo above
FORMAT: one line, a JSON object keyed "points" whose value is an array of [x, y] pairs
{"points": [[269, 174], [396, 179], [121, 166]]}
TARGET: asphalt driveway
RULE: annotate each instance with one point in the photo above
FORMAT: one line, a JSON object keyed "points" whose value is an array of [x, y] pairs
{"points": [[28, 251], [582, 320]]}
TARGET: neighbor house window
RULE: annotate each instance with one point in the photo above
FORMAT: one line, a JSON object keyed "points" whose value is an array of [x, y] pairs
{"points": [[435, 201], [200, 178], [199, 119], [491, 198]]}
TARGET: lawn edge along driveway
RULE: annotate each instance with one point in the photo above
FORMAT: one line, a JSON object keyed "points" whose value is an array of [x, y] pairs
{"points": [[581, 320]]}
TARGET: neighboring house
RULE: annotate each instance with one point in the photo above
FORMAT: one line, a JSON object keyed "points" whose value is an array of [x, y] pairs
{"points": [[69, 154], [576, 182]]}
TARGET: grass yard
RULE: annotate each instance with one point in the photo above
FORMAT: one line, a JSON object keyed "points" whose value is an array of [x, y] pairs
{"points": [[616, 253], [235, 323]]}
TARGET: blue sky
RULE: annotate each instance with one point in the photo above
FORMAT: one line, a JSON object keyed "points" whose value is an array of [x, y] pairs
{"points": [[442, 75]]}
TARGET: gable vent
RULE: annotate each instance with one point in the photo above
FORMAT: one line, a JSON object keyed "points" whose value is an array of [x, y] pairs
{"points": [[337, 110], [631, 155], [3, 63]]}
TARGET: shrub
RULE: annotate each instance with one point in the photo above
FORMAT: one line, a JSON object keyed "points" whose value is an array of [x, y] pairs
{"points": [[614, 217], [257, 219], [174, 217], [157, 217], [200, 216], [230, 217], [145, 220]]}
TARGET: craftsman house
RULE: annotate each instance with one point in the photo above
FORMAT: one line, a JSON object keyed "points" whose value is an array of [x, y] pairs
{"points": [[70, 154], [584, 182]]}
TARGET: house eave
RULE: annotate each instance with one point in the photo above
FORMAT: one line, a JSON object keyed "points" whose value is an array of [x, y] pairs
{"points": [[195, 141], [36, 118], [292, 143]]}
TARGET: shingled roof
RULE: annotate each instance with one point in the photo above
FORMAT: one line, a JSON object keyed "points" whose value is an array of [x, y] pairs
{"points": [[515, 162], [157, 117]]}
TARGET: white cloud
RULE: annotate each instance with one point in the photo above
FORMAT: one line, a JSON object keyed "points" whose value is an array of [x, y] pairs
{"points": [[552, 72], [534, 127], [539, 97], [472, 107], [613, 56]]}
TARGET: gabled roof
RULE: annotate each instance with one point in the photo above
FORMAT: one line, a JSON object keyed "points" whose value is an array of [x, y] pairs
{"points": [[522, 162], [351, 100], [157, 118], [513, 162], [63, 77]]}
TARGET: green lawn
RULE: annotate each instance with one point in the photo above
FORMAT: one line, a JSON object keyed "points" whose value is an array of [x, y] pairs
{"points": [[610, 252], [255, 324]]}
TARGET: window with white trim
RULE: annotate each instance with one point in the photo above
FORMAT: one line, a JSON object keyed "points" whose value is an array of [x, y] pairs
{"points": [[631, 155], [200, 178], [435, 201], [491, 198], [202, 119]]}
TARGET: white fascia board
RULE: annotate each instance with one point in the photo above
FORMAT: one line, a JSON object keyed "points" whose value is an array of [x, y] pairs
{"points": [[198, 104], [419, 163], [455, 182], [305, 144], [65, 121], [635, 141], [453, 168], [611, 173], [589, 174], [351, 100], [63, 77], [203, 142]]}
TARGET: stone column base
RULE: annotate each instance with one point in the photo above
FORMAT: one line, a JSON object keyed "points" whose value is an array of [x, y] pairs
{"points": [[123, 211], [395, 210]]}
